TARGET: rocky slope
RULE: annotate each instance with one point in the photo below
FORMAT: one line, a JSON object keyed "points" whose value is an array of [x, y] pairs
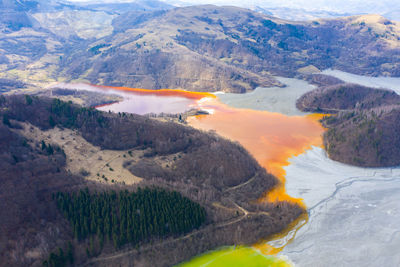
{"points": [[365, 128], [36, 35], [232, 49], [202, 48]]}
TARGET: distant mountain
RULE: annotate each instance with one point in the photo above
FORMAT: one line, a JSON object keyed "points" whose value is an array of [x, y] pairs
{"points": [[13, 14], [227, 48], [21, 5], [393, 15], [17, 14], [201, 48], [298, 14], [306, 9], [122, 7]]}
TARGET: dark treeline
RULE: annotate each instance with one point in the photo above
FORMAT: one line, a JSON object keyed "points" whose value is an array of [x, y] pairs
{"points": [[345, 97], [127, 217], [59, 258]]}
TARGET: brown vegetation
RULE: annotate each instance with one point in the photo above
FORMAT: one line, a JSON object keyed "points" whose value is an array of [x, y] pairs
{"points": [[212, 48], [365, 130], [218, 174], [320, 79], [204, 48], [31, 226], [365, 138], [10, 84], [81, 97], [344, 97]]}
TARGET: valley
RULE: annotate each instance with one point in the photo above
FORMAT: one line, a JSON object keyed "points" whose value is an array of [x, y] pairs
{"points": [[320, 182], [158, 133], [391, 83], [280, 138], [205, 48], [276, 146], [171, 160]]}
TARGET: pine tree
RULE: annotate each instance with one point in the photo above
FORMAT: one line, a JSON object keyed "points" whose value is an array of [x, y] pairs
{"points": [[128, 217], [70, 253]]}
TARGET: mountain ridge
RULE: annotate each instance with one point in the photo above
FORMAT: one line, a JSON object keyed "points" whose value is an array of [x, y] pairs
{"points": [[200, 48]]}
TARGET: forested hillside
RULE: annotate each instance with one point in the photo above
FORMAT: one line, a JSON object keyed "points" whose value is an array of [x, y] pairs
{"points": [[364, 125], [216, 184], [197, 48], [129, 217]]}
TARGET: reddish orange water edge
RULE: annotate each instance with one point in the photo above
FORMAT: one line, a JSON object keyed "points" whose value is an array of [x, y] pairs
{"points": [[272, 138], [161, 92]]}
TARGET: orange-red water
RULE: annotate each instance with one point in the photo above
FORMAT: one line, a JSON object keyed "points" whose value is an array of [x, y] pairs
{"points": [[144, 101], [161, 92], [272, 138]]}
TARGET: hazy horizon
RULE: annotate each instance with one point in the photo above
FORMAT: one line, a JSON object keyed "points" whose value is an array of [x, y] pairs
{"points": [[386, 8]]}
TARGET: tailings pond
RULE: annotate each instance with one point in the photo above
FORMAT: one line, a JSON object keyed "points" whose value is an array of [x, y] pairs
{"points": [[353, 213]]}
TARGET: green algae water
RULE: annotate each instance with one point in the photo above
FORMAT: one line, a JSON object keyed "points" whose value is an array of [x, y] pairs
{"points": [[235, 257]]}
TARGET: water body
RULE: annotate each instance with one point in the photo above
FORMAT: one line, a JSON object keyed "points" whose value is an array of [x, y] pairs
{"points": [[144, 104], [273, 99], [142, 101], [272, 138], [236, 256], [354, 213], [392, 83]]}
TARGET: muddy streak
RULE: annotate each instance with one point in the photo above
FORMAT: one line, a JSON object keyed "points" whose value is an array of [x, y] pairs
{"points": [[276, 243]]}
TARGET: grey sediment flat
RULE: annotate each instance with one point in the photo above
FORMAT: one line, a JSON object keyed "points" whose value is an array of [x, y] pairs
{"points": [[273, 99], [392, 83], [354, 213]]}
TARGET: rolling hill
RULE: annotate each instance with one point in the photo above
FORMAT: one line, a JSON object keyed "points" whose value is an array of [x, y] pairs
{"points": [[200, 48], [363, 126], [41, 142]]}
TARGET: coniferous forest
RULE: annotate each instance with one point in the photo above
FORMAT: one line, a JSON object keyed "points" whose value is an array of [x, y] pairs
{"points": [[129, 217]]}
